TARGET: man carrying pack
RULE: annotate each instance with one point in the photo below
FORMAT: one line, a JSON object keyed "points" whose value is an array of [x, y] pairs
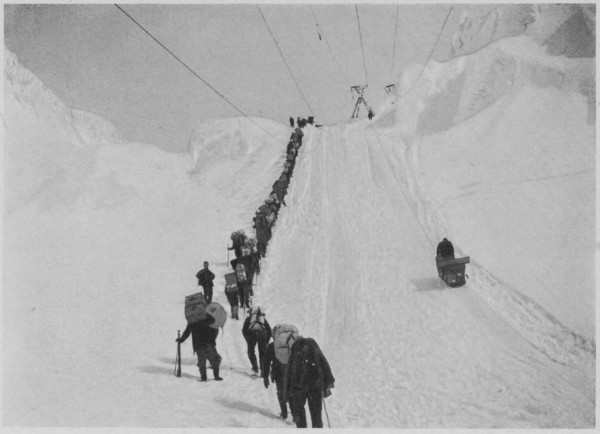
{"points": [[242, 284], [256, 330], [276, 362], [204, 344], [309, 378], [205, 280]]}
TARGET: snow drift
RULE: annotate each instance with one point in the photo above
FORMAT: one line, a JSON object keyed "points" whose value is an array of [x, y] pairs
{"points": [[103, 239]]}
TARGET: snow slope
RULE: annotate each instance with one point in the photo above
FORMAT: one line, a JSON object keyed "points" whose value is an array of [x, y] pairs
{"points": [[102, 245], [517, 167]]}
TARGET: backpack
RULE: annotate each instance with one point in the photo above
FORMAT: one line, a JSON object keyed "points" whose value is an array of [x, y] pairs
{"points": [[230, 284], [284, 336], [240, 273], [257, 319], [218, 313], [195, 307]]}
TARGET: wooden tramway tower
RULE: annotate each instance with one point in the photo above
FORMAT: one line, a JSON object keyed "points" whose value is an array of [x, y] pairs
{"points": [[390, 89], [359, 90]]}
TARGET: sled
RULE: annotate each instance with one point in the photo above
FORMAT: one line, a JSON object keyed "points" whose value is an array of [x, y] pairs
{"points": [[452, 270]]}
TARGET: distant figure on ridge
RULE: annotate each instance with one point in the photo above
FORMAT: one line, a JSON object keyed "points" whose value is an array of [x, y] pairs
{"points": [[291, 122]]}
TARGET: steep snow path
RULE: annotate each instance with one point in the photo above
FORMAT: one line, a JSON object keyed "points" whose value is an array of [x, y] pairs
{"points": [[351, 264]]}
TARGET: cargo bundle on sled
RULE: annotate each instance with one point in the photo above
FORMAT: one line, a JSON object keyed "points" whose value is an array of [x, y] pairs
{"points": [[452, 270]]}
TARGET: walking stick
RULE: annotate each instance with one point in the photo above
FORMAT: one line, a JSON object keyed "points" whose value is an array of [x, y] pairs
{"points": [[226, 266], [325, 407], [178, 357]]}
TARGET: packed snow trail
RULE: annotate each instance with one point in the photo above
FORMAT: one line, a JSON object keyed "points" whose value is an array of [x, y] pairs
{"points": [[351, 265]]}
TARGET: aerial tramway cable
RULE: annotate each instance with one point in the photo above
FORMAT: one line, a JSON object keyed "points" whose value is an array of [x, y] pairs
{"points": [[362, 47], [394, 49], [322, 34], [430, 53], [284, 61], [193, 72]]}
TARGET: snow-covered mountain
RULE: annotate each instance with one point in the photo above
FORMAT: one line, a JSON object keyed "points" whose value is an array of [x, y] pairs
{"points": [[566, 29], [493, 149]]}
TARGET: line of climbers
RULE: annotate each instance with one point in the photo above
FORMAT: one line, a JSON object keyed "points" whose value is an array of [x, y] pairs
{"points": [[266, 215], [301, 122], [294, 363]]}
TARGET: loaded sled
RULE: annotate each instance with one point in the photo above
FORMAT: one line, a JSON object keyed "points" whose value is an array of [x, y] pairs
{"points": [[452, 270]]}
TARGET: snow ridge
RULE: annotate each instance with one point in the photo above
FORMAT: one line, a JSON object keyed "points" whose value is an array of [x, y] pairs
{"points": [[567, 30], [452, 92], [24, 88]]}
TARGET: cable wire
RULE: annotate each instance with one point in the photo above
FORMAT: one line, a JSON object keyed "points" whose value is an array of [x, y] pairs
{"points": [[361, 46], [193, 72], [430, 53], [394, 49], [284, 61], [322, 33]]}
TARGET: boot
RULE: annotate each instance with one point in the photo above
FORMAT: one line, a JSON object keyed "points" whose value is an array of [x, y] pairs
{"points": [[202, 374], [216, 374]]}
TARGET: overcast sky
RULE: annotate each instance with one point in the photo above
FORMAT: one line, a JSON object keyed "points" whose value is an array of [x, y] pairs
{"points": [[96, 59]]}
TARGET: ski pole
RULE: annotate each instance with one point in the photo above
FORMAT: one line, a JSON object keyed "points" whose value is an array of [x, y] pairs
{"points": [[325, 407], [178, 357]]}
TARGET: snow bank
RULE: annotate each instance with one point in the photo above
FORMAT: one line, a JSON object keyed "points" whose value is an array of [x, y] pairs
{"points": [[102, 240]]}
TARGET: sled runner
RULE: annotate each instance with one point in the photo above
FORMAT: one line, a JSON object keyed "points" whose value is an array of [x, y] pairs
{"points": [[452, 270]]}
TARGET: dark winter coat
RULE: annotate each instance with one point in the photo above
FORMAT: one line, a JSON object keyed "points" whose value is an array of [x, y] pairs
{"points": [[248, 264], [205, 278], [237, 249], [272, 365], [262, 233], [308, 369], [445, 249], [261, 335], [256, 262], [264, 210], [202, 333]]}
